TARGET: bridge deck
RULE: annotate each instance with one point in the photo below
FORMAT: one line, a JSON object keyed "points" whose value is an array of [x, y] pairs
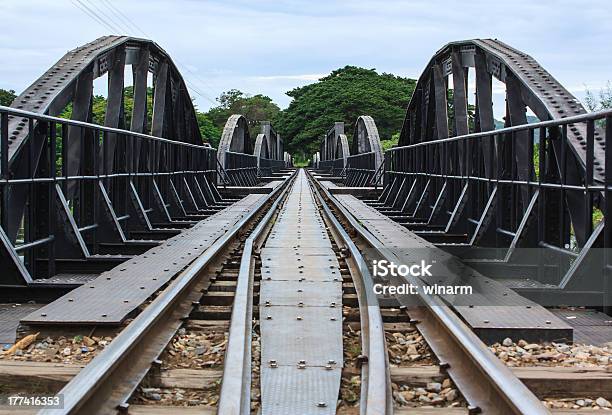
{"points": [[493, 311], [112, 296], [301, 312]]}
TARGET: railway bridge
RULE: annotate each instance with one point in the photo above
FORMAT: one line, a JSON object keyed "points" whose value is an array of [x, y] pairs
{"points": [[146, 272]]}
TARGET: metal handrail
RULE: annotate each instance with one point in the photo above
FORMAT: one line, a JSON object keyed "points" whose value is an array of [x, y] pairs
{"points": [[49, 118], [517, 128]]}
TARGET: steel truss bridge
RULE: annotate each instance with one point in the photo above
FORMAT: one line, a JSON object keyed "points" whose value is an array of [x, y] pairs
{"points": [[136, 232]]}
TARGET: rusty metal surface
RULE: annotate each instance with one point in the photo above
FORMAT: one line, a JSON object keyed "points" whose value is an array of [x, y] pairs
{"points": [[300, 311], [111, 297]]}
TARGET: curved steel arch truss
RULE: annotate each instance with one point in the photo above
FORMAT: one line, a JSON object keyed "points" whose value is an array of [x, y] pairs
{"points": [[235, 152], [367, 140], [528, 85], [458, 181], [334, 150], [70, 82], [261, 151], [276, 146]]}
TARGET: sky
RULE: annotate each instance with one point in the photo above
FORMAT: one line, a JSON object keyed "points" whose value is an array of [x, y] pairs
{"points": [[270, 47]]}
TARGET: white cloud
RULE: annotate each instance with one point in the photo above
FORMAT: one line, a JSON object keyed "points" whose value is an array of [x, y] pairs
{"points": [[270, 47], [303, 77]]}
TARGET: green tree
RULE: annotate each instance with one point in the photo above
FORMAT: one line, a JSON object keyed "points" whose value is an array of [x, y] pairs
{"points": [[343, 95], [210, 132], [7, 97], [255, 108]]}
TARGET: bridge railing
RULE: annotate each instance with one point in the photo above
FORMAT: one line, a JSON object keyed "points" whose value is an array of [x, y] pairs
{"points": [[518, 187], [241, 168], [58, 204], [326, 165], [360, 170]]}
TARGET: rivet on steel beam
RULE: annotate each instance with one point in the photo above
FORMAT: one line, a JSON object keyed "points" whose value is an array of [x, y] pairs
{"points": [[298, 318], [321, 404], [333, 319], [333, 304], [268, 304], [268, 317]]}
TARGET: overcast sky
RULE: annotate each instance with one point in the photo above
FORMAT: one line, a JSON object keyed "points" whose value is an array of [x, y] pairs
{"points": [[270, 47]]}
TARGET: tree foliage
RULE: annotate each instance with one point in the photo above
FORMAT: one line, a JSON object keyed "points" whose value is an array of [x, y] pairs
{"points": [[602, 102], [7, 97], [344, 95], [210, 133], [255, 108]]}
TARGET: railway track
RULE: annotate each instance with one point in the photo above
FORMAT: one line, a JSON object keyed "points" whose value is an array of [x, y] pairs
{"points": [[279, 316]]}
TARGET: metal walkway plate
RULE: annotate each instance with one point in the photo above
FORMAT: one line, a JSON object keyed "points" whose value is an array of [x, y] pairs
{"points": [[300, 308], [112, 296], [494, 311], [309, 293], [10, 314], [309, 391]]}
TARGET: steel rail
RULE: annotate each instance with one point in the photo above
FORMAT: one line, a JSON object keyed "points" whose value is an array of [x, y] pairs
{"points": [[376, 396], [486, 383], [105, 384], [235, 396]]}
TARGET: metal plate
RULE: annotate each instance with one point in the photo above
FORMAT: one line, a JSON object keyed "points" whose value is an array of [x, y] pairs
{"points": [[590, 326], [494, 311], [10, 314], [111, 297], [331, 273], [290, 258], [316, 338], [301, 390], [299, 265], [291, 293], [65, 279]]}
